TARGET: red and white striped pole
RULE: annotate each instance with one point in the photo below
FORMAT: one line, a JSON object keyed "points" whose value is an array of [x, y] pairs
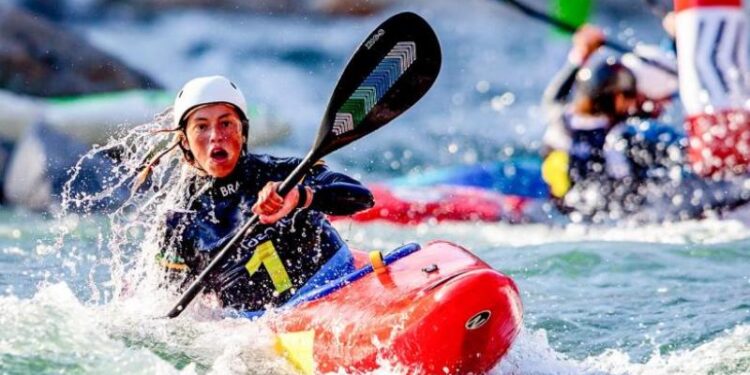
{"points": [[712, 55]]}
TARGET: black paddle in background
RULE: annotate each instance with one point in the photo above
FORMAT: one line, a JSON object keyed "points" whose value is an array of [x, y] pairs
{"points": [[392, 69], [562, 25]]}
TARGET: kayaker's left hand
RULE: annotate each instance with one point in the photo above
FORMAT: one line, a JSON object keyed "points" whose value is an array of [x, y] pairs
{"points": [[586, 41], [271, 207]]}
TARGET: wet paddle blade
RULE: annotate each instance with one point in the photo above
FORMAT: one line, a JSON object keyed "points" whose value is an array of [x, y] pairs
{"points": [[392, 69]]}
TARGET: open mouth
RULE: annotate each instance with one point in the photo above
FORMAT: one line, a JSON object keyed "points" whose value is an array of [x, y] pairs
{"points": [[219, 154]]}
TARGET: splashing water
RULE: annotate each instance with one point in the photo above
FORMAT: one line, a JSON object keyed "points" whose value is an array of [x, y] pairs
{"points": [[116, 325], [134, 215], [129, 310]]}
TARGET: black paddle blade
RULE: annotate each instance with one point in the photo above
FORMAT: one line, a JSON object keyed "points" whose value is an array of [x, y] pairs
{"points": [[392, 69]]}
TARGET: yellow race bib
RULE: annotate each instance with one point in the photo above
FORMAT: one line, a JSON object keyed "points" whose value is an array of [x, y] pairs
{"points": [[266, 255]]}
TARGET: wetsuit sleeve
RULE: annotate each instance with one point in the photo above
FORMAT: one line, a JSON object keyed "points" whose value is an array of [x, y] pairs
{"points": [[336, 193], [556, 97], [559, 89], [556, 139], [172, 245]]}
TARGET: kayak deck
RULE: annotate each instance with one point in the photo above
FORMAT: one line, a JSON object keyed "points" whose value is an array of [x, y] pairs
{"points": [[438, 309]]}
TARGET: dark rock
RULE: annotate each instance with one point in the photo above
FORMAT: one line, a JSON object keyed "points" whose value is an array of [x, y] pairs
{"points": [[53, 10], [351, 7], [40, 170], [337, 7], [40, 58]]}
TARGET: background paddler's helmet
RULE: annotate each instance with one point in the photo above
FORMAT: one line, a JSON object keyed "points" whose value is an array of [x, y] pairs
{"points": [[209, 90], [602, 82]]}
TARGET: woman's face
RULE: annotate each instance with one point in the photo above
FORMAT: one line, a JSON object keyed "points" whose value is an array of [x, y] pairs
{"points": [[214, 136]]}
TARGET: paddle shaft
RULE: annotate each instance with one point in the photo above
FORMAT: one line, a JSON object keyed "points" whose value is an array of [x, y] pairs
{"points": [[533, 13], [197, 285]]}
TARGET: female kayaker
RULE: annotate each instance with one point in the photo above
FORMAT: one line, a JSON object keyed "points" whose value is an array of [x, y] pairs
{"points": [[578, 126], [294, 241], [587, 107]]}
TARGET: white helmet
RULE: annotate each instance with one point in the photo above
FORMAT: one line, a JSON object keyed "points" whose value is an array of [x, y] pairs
{"points": [[206, 90]]}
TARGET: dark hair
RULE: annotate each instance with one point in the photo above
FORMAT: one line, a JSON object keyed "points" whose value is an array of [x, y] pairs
{"points": [[600, 85]]}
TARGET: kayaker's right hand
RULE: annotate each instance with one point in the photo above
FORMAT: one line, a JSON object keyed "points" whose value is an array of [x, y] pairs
{"points": [[271, 207], [585, 41]]}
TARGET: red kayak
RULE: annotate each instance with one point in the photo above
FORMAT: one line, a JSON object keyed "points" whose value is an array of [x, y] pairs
{"points": [[436, 310], [414, 205]]}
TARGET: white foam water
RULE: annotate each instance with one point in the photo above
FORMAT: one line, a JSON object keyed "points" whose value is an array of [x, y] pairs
{"points": [[729, 353], [708, 231], [54, 331]]}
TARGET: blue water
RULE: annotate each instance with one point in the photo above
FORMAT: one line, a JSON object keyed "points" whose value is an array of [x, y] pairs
{"points": [[631, 299], [656, 299]]}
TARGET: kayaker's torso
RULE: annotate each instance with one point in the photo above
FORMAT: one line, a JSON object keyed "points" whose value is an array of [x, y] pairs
{"points": [[581, 137], [271, 264]]}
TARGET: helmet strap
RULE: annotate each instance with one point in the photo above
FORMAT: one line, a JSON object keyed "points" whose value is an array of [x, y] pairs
{"points": [[245, 135]]}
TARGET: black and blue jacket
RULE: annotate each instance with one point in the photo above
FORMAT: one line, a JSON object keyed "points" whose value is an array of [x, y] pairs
{"points": [[275, 261]]}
